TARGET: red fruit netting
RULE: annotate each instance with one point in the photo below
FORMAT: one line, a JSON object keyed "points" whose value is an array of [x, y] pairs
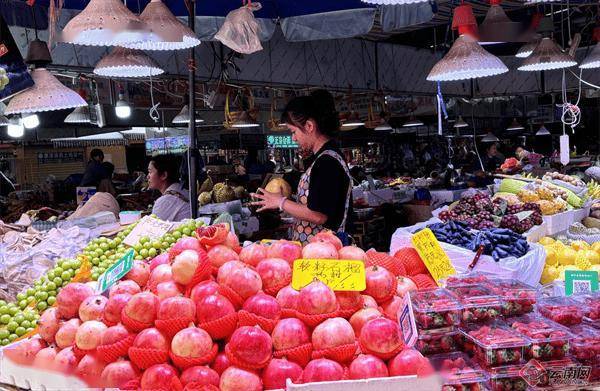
{"points": [[383, 356], [172, 326], [411, 260], [221, 328], [301, 354], [238, 362], [186, 362], [288, 313], [145, 358], [341, 354], [314, 320], [203, 272], [232, 296], [374, 258], [246, 318], [424, 281], [110, 353], [273, 290], [134, 325], [79, 353]]}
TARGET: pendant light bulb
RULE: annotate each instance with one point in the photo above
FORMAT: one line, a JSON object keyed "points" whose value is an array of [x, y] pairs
{"points": [[31, 121], [15, 130], [122, 108]]}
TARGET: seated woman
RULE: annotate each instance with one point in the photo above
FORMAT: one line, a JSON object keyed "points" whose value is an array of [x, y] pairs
{"points": [[163, 175]]}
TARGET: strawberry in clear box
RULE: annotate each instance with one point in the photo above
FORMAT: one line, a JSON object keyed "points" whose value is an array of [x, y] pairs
{"points": [[479, 303], [591, 308], [563, 310], [465, 279], [585, 345], [459, 372], [494, 344], [518, 298], [549, 340], [507, 378], [438, 341], [435, 308]]}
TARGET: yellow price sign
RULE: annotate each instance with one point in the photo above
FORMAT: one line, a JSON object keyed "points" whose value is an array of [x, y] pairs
{"points": [[433, 255], [339, 275]]}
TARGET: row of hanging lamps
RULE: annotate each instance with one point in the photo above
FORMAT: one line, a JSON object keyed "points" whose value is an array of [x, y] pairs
{"points": [[593, 59], [124, 62], [15, 129], [526, 50], [547, 55], [515, 125], [466, 58], [497, 27]]}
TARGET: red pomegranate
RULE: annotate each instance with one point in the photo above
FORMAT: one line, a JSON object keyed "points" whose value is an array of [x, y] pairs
{"points": [[70, 298], [142, 307], [236, 379], [316, 298], [381, 283], [213, 307], [274, 272], [253, 254], [288, 298], [125, 286], [140, 273], [407, 362], [89, 334], [263, 305], [203, 289], [65, 361], [117, 374], [160, 259], [114, 307], [332, 333], [352, 252], [151, 339], [319, 250], [391, 307], [167, 289], [48, 324], [162, 273], [184, 243], [349, 300], [274, 376], [176, 307], [191, 342], [284, 249], [92, 308], [245, 282], [65, 336], [24, 352], [404, 286], [228, 268], [289, 333], [44, 359], [327, 237], [159, 377], [322, 369], [90, 369], [219, 255], [233, 242], [201, 375], [114, 334], [221, 363], [251, 345], [381, 336], [184, 266], [369, 302], [366, 366], [361, 317]]}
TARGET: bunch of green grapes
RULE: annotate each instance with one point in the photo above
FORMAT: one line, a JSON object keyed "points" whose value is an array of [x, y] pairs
{"points": [[4, 80]]}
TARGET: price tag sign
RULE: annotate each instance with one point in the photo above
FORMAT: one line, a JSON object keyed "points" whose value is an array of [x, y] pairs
{"points": [[406, 319], [580, 282], [115, 272], [148, 227], [339, 275], [433, 255]]}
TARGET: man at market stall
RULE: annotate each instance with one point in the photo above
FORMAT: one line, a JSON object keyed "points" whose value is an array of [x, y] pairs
{"points": [[94, 172], [325, 189], [163, 175]]}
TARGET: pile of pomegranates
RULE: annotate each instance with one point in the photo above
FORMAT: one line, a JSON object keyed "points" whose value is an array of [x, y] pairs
{"points": [[243, 328]]}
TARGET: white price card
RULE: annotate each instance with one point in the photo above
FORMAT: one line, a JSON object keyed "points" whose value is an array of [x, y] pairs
{"points": [[148, 227]]}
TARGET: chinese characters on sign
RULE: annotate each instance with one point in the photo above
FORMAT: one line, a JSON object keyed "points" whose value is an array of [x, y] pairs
{"points": [[339, 275], [433, 255], [284, 141], [116, 272]]}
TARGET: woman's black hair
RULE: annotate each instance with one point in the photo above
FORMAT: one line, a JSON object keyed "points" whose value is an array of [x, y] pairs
{"points": [[168, 164], [319, 106]]}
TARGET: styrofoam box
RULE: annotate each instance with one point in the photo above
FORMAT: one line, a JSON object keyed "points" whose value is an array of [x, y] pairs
{"points": [[397, 383], [561, 221]]}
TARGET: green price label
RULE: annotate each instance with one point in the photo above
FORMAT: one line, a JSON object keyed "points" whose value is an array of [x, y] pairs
{"points": [[580, 282], [115, 272]]}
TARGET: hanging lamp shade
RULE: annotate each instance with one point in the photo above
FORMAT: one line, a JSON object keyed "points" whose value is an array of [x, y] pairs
{"points": [[244, 120], [497, 27], [383, 127], [393, 2], [515, 125], [106, 23], [123, 62], [47, 94], [80, 115], [593, 59], [460, 123], [352, 121], [466, 58], [526, 50], [183, 117], [543, 131], [490, 138], [547, 56], [168, 31], [38, 53], [412, 122]]}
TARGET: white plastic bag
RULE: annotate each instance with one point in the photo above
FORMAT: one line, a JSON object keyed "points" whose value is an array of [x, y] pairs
{"points": [[240, 31]]}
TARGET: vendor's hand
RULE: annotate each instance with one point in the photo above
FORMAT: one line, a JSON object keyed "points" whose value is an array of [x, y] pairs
{"points": [[267, 201]]}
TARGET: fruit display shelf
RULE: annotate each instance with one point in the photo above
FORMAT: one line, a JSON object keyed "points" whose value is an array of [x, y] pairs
{"points": [[435, 308], [494, 344], [549, 340], [459, 372], [478, 302], [517, 297], [563, 310]]}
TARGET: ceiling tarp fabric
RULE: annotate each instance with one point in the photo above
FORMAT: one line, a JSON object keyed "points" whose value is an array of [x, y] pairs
{"points": [[394, 17], [332, 25]]}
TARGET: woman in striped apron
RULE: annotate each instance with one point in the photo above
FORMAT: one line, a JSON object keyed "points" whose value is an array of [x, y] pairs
{"points": [[325, 189]]}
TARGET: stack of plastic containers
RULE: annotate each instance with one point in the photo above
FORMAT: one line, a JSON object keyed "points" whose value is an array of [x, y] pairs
{"points": [[517, 297], [591, 308], [563, 310], [549, 340], [478, 302], [585, 347], [459, 372]]}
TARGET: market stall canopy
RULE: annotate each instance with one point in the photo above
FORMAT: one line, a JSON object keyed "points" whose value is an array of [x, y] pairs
{"points": [[101, 140]]}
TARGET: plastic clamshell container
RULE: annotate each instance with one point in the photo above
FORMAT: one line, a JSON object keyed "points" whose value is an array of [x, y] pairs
{"points": [[507, 378], [591, 308], [465, 279], [585, 345], [563, 310], [435, 308], [479, 303], [549, 340], [494, 344], [518, 298], [459, 372], [437, 341]]}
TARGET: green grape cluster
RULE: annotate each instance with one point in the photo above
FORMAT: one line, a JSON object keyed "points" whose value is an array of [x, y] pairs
{"points": [[4, 80]]}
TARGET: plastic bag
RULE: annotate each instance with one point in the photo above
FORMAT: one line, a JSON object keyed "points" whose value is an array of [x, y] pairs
{"points": [[240, 31]]}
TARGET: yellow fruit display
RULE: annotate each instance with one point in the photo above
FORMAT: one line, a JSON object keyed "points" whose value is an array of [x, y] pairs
{"points": [[546, 240], [549, 274], [551, 256], [565, 268], [567, 256], [579, 245], [595, 268], [582, 261], [596, 247], [592, 256]]}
